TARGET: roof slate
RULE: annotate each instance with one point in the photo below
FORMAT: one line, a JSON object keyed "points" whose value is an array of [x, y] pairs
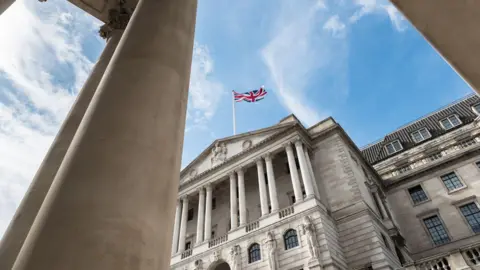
{"points": [[375, 152]]}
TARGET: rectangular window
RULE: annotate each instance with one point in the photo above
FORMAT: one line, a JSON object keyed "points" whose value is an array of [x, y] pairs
{"points": [[214, 203], [451, 181], [190, 214], [393, 147], [417, 194], [386, 242], [476, 108], [420, 135], [436, 230], [472, 215], [450, 122], [188, 245]]}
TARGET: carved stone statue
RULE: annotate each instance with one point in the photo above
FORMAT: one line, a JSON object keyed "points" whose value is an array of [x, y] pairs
{"points": [[235, 258], [271, 246], [198, 265], [219, 153], [308, 229], [216, 255]]}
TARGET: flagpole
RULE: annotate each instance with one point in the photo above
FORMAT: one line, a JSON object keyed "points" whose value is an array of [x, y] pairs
{"points": [[233, 111]]}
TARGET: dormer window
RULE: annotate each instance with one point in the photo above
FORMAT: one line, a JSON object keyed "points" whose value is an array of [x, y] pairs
{"points": [[476, 108], [393, 147], [450, 122], [420, 135]]}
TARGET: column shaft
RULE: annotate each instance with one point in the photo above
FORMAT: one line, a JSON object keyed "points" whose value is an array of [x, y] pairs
{"points": [[241, 197], [233, 202], [380, 204], [262, 188], [312, 174], [26, 212], [201, 215], [297, 188], [307, 182], [272, 186], [113, 198], [208, 214], [183, 225], [176, 227]]}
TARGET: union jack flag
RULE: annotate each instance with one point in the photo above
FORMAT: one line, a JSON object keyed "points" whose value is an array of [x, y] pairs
{"points": [[252, 96]]}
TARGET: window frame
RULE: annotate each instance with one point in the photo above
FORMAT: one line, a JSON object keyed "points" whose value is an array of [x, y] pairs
{"points": [[459, 179], [392, 143], [410, 196], [419, 132], [249, 257], [464, 203], [431, 215], [448, 118], [285, 239]]}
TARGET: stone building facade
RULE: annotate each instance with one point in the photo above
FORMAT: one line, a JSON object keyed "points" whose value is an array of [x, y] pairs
{"points": [[287, 197]]}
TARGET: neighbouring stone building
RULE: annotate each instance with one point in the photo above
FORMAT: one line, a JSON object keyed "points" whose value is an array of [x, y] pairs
{"points": [[288, 197]]}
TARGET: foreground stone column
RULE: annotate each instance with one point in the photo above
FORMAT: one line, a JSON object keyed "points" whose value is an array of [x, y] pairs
{"points": [[4, 4], [112, 203], [26, 212], [262, 188], [201, 215], [233, 201], [241, 197], [176, 226], [272, 185], [451, 27]]}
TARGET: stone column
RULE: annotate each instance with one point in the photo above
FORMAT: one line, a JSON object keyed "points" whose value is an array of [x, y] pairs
{"points": [[201, 215], [272, 186], [176, 227], [4, 4], [312, 175], [241, 197], [26, 212], [262, 188], [233, 201], [307, 182], [382, 209], [183, 225], [208, 213], [297, 188], [113, 198]]}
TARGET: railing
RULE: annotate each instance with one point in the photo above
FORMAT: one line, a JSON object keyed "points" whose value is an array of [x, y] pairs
{"points": [[218, 241], [472, 256], [286, 212], [186, 253], [252, 226], [436, 264]]}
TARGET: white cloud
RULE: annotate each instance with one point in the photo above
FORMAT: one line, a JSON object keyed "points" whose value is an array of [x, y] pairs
{"points": [[42, 66], [379, 6], [335, 26], [205, 92]]}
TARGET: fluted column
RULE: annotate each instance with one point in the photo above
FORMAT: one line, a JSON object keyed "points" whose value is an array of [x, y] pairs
{"points": [[176, 227], [26, 212], [307, 182], [312, 174], [262, 188], [201, 215], [233, 201], [297, 188], [272, 186], [241, 197], [208, 213], [113, 198], [183, 225]]}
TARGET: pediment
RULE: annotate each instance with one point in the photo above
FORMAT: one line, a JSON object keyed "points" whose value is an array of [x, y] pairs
{"points": [[223, 149]]}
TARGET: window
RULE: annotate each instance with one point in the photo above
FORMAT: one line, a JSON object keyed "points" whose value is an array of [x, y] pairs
{"points": [[393, 147], [190, 214], [417, 194], [290, 238], [450, 122], [436, 229], [472, 215], [451, 181], [188, 245], [386, 242], [254, 253], [476, 108], [214, 203], [420, 135]]}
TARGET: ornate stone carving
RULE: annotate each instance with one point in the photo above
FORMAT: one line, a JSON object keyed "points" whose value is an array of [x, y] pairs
{"points": [[235, 258], [216, 255], [308, 229], [193, 173], [246, 144], [219, 153], [271, 247], [198, 265], [118, 18]]}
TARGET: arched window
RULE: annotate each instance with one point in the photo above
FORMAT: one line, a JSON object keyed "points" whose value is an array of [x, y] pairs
{"points": [[291, 239], [254, 253]]}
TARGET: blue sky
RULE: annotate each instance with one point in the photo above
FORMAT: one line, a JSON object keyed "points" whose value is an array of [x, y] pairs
{"points": [[358, 61]]}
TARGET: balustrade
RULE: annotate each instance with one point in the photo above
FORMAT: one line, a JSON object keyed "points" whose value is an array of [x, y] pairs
{"points": [[286, 212], [186, 253], [217, 241], [436, 264], [472, 256], [252, 226]]}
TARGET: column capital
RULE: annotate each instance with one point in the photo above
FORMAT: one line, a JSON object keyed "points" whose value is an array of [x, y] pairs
{"points": [[209, 186], [118, 19], [239, 170], [297, 141], [288, 146], [184, 198], [259, 161], [201, 190], [268, 156], [232, 174]]}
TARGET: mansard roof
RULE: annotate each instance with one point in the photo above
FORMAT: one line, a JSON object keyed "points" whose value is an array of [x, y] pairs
{"points": [[376, 152]]}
